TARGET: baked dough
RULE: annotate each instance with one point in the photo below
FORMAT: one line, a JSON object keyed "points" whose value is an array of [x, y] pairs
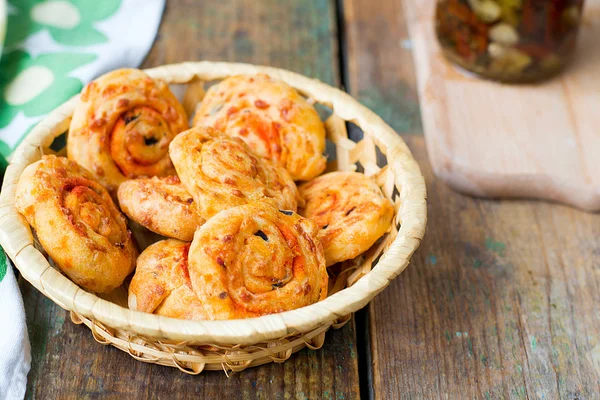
{"points": [[123, 126], [245, 262], [271, 117], [77, 223], [161, 284], [221, 172], [254, 260], [350, 211], [162, 205]]}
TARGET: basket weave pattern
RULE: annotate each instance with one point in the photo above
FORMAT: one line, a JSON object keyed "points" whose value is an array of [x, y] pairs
{"points": [[194, 346]]}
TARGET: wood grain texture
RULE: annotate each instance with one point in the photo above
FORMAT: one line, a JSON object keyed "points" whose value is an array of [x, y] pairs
{"points": [[69, 364], [494, 140], [500, 302], [296, 35], [380, 66]]}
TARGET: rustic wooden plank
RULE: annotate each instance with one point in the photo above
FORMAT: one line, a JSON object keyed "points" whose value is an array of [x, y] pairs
{"points": [[500, 302], [380, 65], [67, 363], [296, 35]]}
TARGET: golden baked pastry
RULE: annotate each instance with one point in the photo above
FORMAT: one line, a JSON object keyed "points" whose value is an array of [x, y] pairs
{"points": [[77, 223], [253, 260], [161, 284], [350, 211], [271, 117], [162, 205], [123, 126], [221, 172]]}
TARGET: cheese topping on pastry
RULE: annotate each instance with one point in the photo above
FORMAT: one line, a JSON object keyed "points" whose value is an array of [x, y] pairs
{"points": [[254, 260], [77, 223], [162, 205], [350, 211], [221, 172], [161, 284], [123, 126], [245, 262], [271, 117]]}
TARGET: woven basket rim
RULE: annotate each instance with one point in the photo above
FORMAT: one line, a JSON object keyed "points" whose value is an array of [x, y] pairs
{"points": [[17, 240]]}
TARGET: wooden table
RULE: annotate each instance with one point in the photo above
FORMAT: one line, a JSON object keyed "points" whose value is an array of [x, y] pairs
{"points": [[501, 300]]}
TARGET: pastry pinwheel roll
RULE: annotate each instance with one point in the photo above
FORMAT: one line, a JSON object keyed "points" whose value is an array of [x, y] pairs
{"points": [[350, 211], [221, 172], [161, 284], [77, 223], [271, 117], [123, 126], [161, 205], [253, 260]]}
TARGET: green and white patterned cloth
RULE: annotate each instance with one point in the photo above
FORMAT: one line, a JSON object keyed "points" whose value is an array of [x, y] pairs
{"points": [[51, 49]]}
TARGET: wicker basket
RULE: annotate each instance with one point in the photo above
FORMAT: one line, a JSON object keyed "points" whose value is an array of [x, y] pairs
{"points": [[193, 346]]}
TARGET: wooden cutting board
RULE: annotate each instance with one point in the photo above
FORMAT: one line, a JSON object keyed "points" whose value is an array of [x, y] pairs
{"points": [[494, 140]]}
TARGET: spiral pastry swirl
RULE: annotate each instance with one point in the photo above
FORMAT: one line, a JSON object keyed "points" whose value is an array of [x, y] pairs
{"points": [[123, 126], [253, 260], [77, 223], [161, 284], [161, 205], [271, 117], [350, 211], [221, 172]]}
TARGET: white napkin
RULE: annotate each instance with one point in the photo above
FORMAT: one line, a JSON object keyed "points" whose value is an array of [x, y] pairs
{"points": [[52, 48], [15, 355]]}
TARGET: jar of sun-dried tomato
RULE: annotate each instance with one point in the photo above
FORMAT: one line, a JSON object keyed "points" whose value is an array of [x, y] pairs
{"points": [[509, 40]]}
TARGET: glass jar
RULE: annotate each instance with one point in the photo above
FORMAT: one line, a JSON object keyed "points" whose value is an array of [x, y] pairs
{"points": [[509, 40]]}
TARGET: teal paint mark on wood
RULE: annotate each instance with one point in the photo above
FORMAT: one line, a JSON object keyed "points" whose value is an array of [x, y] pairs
{"points": [[496, 247], [555, 354], [352, 352], [432, 259], [477, 263], [533, 342], [520, 393], [519, 368], [483, 360], [448, 337]]}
